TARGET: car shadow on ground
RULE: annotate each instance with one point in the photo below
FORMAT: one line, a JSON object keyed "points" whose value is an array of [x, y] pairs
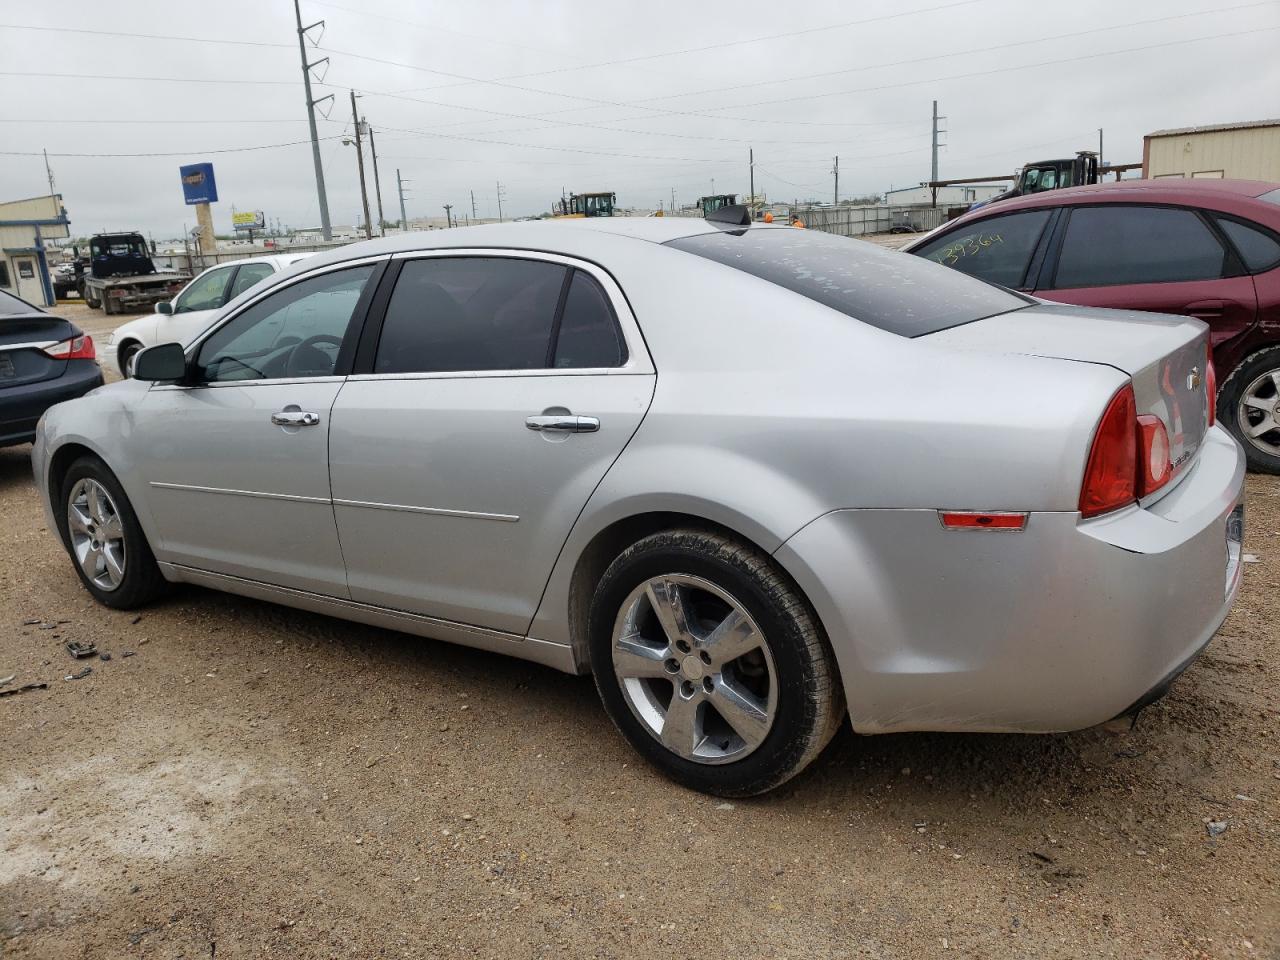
{"points": [[933, 771]]}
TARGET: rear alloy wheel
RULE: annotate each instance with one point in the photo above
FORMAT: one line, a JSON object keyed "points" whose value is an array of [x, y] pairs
{"points": [[711, 664], [1251, 401], [105, 540]]}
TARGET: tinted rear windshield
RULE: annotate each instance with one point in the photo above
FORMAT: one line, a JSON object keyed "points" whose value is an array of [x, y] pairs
{"points": [[887, 289], [1271, 196], [12, 306]]}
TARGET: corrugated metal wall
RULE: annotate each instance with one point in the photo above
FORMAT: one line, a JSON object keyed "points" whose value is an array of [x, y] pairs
{"points": [[1252, 153], [855, 221]]}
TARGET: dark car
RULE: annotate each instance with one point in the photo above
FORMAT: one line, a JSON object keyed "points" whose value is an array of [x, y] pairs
{"points": [[1205, 248], [43, 360]]}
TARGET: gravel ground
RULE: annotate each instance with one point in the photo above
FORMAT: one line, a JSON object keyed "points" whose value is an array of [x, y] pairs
{"points": [[255, 781]]}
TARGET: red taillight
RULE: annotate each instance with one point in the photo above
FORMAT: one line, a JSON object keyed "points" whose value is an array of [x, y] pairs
{"points": [[1211, 384], [1111, 474], [77, 348], [1155, 468]]}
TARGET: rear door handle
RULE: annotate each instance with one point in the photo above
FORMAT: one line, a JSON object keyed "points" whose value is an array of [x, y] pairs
{"points": [[562, 424], [295, 418], [1206, 308]]}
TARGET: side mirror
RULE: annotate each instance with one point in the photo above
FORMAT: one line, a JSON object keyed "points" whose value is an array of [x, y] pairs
{"points": [[164, 306], [167, 361]]}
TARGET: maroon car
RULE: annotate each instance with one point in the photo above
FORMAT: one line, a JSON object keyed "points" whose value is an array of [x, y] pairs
{"points": [[1206, 248]]}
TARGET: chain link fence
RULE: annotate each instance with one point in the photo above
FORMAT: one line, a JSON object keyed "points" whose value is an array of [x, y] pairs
{"points": [[851, 221]]}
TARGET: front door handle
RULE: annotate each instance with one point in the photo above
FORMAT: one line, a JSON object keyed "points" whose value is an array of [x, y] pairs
{"points": [[295, 418], [1206, 309], [562, 423]]}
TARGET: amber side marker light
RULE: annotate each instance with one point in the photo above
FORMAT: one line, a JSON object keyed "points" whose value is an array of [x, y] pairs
{"points": [[968, 520]]}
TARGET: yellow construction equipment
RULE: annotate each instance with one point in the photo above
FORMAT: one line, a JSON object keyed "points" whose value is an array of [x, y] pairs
{"points": [[584, 205]]}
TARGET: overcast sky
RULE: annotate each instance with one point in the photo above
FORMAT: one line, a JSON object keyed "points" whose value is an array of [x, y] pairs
{"points": [[639, 98]]}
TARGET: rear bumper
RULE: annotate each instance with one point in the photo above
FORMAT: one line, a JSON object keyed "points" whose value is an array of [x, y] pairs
{"points": [[1064, 625], [21, 407]]}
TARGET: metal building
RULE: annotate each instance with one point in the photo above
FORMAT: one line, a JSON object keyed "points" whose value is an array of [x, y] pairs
{"points": [[25, 225], [1235, 151]]}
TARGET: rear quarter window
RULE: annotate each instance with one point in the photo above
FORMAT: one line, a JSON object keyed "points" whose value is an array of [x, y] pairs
{"points": [[893, 291]]}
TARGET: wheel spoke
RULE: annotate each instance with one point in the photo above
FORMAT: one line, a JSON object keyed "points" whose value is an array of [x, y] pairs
{"points": [[732, 637], [111, 528], [741, 710], [667, 600], [1262, 426], [89, 562], [680, 726], [114, 564], [78, 519], [632, 657], [1275, 378], [96, 507], [1258, 403]]}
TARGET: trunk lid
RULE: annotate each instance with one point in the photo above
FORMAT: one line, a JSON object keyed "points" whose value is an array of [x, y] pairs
{"points": [[22, 360], [1164, 356]]}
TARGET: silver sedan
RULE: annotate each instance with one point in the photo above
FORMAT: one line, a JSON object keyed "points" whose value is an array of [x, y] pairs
{"points": [[754, 479]]}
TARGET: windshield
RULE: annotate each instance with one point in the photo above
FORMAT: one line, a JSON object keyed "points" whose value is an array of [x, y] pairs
{"points": [[11, 306], [884, 288], [119, 247]]}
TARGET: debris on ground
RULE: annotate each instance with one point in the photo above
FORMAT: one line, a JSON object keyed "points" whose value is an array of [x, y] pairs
{"points": [[104, 657], [136, 620], [81, 650], [9, 679], [25, 688], [129, 653], [30, 621], [1216, 828], [79, 676]]}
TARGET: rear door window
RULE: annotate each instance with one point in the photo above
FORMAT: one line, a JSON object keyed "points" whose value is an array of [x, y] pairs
{"points": [[249, 274], [1121, 244], [996, 249], [587, 335], [450, 314], [205, 292], [1258, 248], [887, 289]]}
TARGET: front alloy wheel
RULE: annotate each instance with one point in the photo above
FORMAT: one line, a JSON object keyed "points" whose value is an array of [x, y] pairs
{"points": [[695, 669], [97, 534]]}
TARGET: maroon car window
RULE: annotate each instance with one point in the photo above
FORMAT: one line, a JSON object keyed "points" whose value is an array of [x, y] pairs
{"points": [[996, 249], [1258, 248], [1120, 244], [1271, 196]]}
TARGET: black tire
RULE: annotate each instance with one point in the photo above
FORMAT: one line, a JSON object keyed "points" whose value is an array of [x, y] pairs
{"points": [[108, 307], [1233, 388], [126, 353], [810, 700], [142, 581], [93, 302]]}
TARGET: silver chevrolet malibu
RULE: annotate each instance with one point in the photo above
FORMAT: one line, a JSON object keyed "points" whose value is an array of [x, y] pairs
{"points": [[752, 478]]}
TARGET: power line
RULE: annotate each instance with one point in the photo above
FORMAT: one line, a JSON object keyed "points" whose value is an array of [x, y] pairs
{"points": [[143, 36], [104, 76], [720, 46], [966, 53], [995, 70], [179, 153]]}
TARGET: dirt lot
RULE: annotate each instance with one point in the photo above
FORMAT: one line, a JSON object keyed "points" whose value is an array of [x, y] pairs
{"points": [[254, 781]]}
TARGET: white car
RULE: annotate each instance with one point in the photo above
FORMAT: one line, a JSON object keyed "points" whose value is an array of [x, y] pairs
{"points": [[179, 320]]}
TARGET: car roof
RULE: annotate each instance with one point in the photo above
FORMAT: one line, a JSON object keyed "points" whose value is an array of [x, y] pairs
{"points": [[1159, 190], [584, 237]]}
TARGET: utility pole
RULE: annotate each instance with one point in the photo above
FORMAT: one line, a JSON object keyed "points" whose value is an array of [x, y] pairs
{"points": [[473, 206], [404, 220], [325, 228], [933, 178], [448, 218], [835, 200], [499, 184], [377, 187], [751, 162], [49, 173], [364, 194], [1099, 155]]}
